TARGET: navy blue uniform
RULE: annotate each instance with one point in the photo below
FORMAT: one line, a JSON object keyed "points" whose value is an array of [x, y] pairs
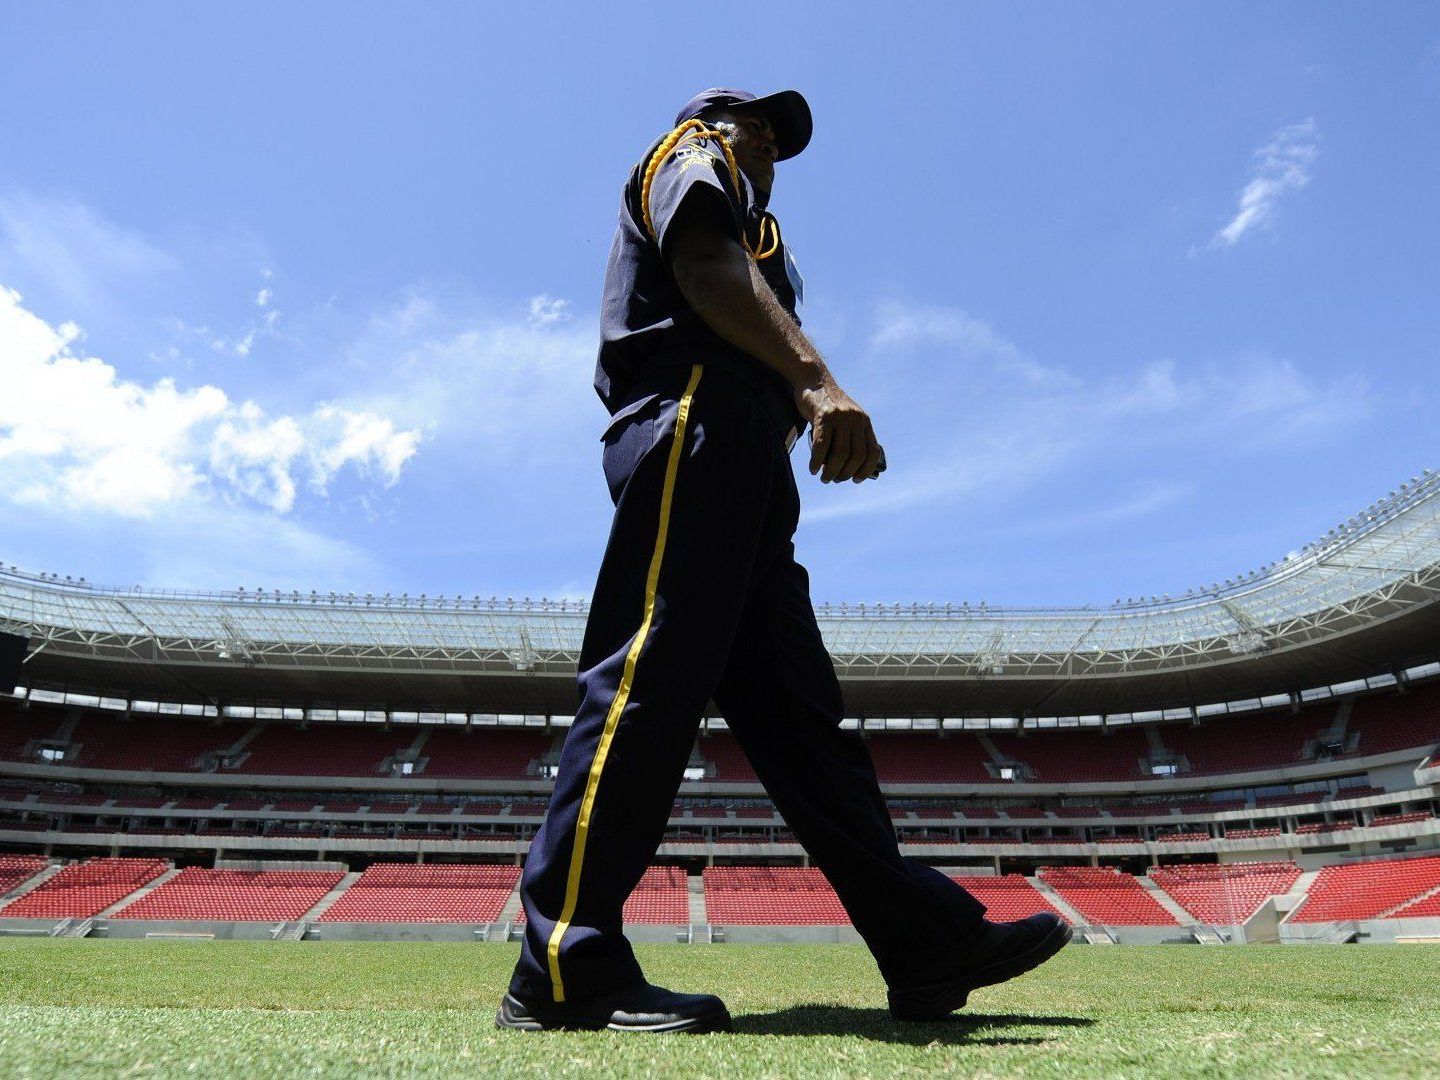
{"points": [[699, 597]]}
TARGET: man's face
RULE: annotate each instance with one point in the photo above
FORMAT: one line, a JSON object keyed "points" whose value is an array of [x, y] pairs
{"points": [[753, 144]]}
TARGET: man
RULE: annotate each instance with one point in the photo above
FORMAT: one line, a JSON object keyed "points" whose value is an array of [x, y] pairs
{"points": [[709, 379]]}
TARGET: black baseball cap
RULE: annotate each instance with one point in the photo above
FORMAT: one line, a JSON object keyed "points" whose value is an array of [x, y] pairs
{"points": [[787, 111]]}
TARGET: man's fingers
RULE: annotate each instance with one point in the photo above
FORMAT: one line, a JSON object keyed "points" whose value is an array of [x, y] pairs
{"points": [[869, 468], [819, 443], [860, 444], [837, 455]]}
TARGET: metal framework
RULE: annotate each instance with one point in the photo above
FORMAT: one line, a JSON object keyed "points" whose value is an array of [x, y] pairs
{"points": [[1383, 562]]}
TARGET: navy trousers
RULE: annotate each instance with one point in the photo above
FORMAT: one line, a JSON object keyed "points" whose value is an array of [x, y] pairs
{"points": [[699, 597]]}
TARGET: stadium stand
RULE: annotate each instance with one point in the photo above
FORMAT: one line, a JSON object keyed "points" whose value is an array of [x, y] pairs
{"points": [[771, 895], [85, 889], [1225, 895], [1007, 897], [339, 750], [1389, 722], [234, 895], [661, 898], [1271, 740], [1252, 834], [1072, 757], [729, 761], [20, 726], [1402, 819], [1106, 896], [407, 892], [150, 743], [17, 869], [484, 753], [1367, 890], [916, 758], [1427, 907]]}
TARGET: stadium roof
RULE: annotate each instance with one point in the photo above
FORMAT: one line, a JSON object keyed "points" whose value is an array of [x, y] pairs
{"points": [[1358, 601]]}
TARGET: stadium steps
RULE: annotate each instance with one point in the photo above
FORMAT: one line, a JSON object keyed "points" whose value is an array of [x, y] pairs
{"points": [[323, 904], [130, 898], [66, 731], [1168, 902], [1301, 889], [242, 742], [1076, 919], [695, 884], [1341, 724], [31, 883], [992, 750], [511, 911]]}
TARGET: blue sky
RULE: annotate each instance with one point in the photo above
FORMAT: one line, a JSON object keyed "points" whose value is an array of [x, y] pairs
{"points": [[300, 296]]}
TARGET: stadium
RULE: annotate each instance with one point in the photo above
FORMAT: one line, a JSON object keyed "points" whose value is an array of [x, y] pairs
{"points": [[281, 832], [1249, 763], [1246, 762]]}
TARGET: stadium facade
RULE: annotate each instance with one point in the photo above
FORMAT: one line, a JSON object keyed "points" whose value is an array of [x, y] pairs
{"points": [[1281, 721]]}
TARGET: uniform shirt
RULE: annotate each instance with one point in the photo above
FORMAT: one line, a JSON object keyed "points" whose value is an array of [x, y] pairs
{"points": [[644, 319]]}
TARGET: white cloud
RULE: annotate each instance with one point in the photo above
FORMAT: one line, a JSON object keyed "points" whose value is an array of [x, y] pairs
{"points": [[957, 431], [517, 394], [75, 434], [547, 310], [1282, 165], [72, 250], [901, 325], [262, 298]]}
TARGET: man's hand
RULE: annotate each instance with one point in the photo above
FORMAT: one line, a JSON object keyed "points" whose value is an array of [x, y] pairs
{"points": [[842, 439]]}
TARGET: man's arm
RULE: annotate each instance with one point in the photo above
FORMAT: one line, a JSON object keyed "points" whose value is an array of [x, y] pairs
{"points": [[722, 283]]}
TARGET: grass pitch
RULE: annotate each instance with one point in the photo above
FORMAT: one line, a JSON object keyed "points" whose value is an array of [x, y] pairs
{"points": [[237, 1009]]}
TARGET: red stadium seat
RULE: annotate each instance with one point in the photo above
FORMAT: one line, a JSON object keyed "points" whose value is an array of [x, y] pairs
{"points": [[1105, 896], [234, 895], [85, 889], [407, 892], [1227, 894]]}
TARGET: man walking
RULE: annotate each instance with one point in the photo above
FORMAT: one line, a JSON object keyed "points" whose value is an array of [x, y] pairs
{"points": [[709, 380]]}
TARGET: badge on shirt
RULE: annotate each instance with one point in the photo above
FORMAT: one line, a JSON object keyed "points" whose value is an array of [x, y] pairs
{"points": [[797, 283]]}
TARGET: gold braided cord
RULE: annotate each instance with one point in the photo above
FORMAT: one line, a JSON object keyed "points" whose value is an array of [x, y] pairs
{"points": [[695, 130], [766, 216]]}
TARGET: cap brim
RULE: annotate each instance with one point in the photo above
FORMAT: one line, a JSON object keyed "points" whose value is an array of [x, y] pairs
{"points": [[789, 114]]}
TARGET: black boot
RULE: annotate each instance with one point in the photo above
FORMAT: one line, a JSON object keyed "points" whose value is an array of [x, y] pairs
{"points": [[1001, 951], [642, 1008]]}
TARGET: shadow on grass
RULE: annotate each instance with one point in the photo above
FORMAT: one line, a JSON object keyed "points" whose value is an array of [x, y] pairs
{"points": [[968, 1028]]}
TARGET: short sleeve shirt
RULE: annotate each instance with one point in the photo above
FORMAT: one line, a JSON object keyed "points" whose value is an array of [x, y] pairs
{"points": [[644, 318]]}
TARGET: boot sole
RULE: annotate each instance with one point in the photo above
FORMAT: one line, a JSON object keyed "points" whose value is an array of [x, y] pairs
{"points": [[939, 1001], [517, 1019]]}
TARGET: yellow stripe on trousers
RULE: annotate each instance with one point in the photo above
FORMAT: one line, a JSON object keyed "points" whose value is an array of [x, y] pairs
{"points": [[622, 694]]}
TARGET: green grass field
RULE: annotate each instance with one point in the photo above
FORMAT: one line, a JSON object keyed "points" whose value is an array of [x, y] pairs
{"points": [[230, 1009]]}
